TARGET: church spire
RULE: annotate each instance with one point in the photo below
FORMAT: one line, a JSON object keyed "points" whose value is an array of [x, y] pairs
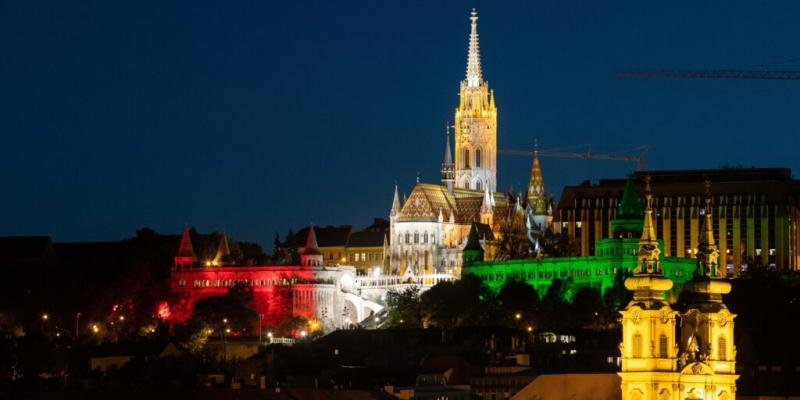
{"points": [[648, 282], [474, 74], [707, 253], [537, 199], [395, 203], [448, 167]]}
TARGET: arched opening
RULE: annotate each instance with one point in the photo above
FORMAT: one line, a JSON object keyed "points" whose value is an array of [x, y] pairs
{"points": [[663, 347], [466, 158], [478, 185], [636, 351], [478, 160], [722, 347]]}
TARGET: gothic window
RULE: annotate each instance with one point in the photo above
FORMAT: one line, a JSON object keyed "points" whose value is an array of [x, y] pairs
{"points": [[478, 161], [637, 346], [662, 346], [477, 185], [722, 346], [466, 158], [416, 237], [408, 237]]}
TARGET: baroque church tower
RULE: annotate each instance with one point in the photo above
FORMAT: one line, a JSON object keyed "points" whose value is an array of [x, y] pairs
{"points": [[475, 124], [700, 364]]}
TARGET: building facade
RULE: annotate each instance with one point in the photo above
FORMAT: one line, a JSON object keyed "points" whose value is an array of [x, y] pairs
{"points": [[755, 211], [331, 296]]}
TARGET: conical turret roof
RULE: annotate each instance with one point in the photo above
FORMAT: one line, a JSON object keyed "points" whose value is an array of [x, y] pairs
{"points": [[185, 249], [311, 243]]}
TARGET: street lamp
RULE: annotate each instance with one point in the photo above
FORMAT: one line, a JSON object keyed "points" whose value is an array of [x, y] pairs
{"points": [[260, 318], [45, 317]]}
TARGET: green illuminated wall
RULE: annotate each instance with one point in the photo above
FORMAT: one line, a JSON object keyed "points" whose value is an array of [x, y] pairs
{"points": [[596, 271]]}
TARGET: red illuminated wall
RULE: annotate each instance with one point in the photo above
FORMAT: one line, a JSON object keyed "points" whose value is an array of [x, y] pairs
{"points": [[278, 291]]}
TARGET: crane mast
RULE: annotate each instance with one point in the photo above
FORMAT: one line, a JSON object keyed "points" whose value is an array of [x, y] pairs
{"points": [[711, 74]]}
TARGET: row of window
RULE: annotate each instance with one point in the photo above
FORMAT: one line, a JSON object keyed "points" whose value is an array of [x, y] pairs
{"points": [[663, 347], [416, 237], [201, 283], [362, 257]]}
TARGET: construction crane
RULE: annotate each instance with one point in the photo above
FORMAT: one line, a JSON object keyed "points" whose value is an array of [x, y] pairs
{"points": [[638, 159], [710, 74], [749, 72]]}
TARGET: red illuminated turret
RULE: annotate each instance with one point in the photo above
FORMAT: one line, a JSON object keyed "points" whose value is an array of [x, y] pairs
{"points": [[311, 255], [185, 258]]}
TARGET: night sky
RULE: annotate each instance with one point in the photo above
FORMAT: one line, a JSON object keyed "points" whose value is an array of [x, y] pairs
{"points": [[256, 117]]}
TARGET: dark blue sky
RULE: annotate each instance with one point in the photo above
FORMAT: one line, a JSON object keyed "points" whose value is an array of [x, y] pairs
{"points": [[256, 116]]}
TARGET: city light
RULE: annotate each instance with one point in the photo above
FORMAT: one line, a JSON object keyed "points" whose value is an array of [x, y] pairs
{"points": [[95, 328], [122, 318], [45, 317], [530, 329], [303, 333], [517, 316]]}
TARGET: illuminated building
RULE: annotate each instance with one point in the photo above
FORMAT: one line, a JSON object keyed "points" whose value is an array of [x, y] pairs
{"points": [[756, 211], [334, 296], [700, 363], [342, 245], [613, 256], [429, 229], [475, 124]]}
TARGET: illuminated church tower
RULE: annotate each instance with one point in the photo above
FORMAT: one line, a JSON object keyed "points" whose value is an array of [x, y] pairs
{"points": [[708, 359], [649, 347], [475, 124], [657, 365]]}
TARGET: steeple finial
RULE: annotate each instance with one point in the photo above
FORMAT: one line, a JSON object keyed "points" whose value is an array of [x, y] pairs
{"points": [[448, 155], [474, 74]]}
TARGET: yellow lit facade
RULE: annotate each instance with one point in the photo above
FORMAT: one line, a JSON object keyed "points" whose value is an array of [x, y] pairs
{"points": [[657, 365]]}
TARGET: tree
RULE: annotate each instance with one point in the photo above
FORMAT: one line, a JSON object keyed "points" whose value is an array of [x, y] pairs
{"points": [[588, 307], [279, 254], [514, 243], [404, 308], [518, 297], [232, 310], [466, 302], [559, 245], [616, 297]]}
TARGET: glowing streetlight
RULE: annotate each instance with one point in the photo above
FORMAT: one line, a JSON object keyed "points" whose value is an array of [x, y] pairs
{"points": [[530, 329], [95, 328], [45, 317], [303, 333], [224, 320], [517, 316], [227, 330], [122, 318]]}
